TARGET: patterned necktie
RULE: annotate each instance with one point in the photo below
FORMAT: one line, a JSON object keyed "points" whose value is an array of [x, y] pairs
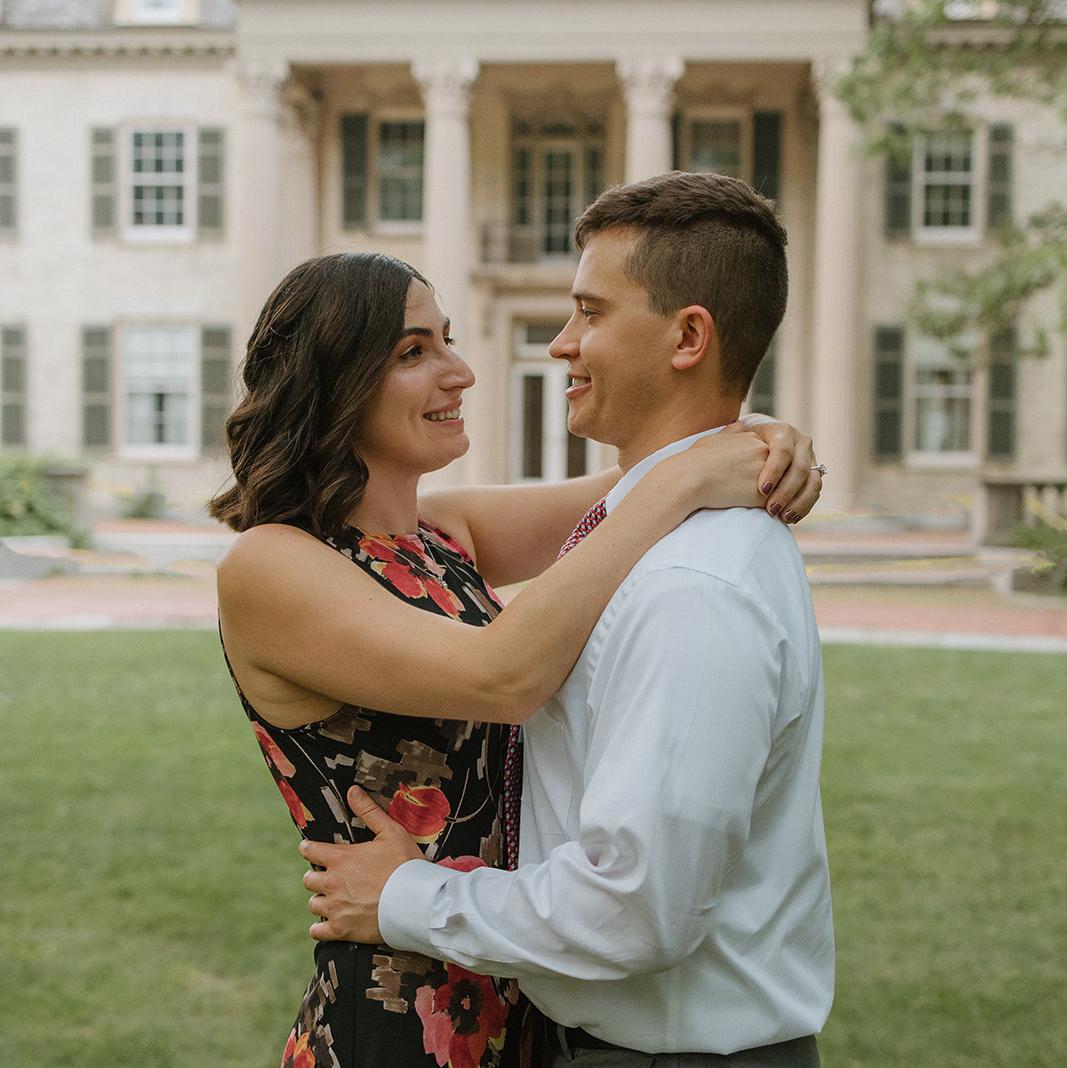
{"points": [[513, 753]]}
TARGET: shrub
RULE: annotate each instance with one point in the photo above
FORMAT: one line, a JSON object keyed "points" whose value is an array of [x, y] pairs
{"points": [[28, 505]]}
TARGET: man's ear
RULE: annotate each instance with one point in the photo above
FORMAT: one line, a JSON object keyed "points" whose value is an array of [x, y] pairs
{"points": [[697, 338]]}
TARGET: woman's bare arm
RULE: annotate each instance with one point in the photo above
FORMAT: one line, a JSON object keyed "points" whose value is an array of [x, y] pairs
{"points": [[297, 613], [514, 532]]}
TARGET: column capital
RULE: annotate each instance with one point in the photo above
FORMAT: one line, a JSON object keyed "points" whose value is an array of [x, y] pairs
{"points": [[446, 81], [826, 72], [261, 85], [301, 109], [648, 81]]}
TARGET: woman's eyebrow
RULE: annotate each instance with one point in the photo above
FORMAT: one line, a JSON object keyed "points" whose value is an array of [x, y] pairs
{"points": [[425, 331]]}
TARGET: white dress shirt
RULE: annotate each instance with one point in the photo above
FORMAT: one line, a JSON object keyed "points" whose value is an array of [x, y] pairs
{"points": [[673, 892]]}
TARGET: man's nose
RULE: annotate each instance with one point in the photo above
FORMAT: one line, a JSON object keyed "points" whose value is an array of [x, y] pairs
{"points": [[565, 344]]}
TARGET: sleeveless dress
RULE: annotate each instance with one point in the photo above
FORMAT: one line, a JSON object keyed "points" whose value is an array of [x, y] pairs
{"points": [[372, 1006]]}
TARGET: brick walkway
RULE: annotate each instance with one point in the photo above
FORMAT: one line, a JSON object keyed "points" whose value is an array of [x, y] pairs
{"points": [[182, 594]]}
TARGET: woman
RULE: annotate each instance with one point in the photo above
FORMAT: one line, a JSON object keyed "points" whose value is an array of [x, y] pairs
{"points": [[353, 392]]}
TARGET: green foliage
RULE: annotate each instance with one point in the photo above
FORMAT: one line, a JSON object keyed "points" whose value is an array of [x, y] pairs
{"points": [[156, 917], [923, 71], [28, 505], [1051, 544]]}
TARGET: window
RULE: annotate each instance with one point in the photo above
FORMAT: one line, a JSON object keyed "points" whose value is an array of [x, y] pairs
{"points": [[160, 378], [381, 171], [400, 146], [541, 445], [945, 183], [8, 176], [159, 176], [557, 169], [715, 145], [13, 386], [157, 12], [954, 186], [942, 394]]}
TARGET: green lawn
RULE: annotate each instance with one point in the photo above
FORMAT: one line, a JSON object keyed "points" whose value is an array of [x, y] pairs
{"points": [[151, 912]]}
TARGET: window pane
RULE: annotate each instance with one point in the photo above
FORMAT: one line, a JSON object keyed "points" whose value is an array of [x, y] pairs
{"points": [[942, 389], [158, 377], [715, 147], [558, 193], [533, 414], [400, 161], [537, 334]]}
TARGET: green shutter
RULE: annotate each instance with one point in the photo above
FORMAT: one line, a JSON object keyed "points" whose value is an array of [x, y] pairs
{"points": [[354, 171], [96, 387], [13, 386], [761, 393], [676, 142], [1001, 395], [888, 392], [8, 181], [210, 181], [104, 183], [767, 153], [897, 196], [999, 178], [216, 386]]}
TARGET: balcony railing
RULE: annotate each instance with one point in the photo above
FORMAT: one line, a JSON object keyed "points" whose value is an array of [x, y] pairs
{"points": [[513, 243]]}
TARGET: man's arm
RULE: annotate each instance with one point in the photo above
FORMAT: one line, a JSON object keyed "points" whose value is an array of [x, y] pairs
{"points": [[685, 696]]}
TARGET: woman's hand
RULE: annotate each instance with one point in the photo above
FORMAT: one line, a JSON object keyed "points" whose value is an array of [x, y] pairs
{"points": [[722, 470], [789, 479]]}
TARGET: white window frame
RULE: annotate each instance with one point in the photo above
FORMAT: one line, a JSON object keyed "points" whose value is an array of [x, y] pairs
{"points": [[532, 359], [950, 235], [190, 450], [133, 232], [374, 176], [926, 350], [144, 13], [717, 114]]}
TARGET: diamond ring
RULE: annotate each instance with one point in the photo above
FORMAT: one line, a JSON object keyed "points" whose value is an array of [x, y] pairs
{"points": [[821, 468]]}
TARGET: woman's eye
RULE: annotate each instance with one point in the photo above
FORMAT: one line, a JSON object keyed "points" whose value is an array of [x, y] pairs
{"points": [[412, 354]]}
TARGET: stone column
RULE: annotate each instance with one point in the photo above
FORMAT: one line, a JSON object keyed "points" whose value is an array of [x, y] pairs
{"points": [[260, 161], [301, 128], [448, 253], [648, 82], [836, 345]]}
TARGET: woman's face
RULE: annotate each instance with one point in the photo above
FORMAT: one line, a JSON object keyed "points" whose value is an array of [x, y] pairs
{"points": [[413, 424]]}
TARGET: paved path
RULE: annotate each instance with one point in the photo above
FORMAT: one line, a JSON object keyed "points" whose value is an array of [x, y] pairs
{"points": [[143, 579]]}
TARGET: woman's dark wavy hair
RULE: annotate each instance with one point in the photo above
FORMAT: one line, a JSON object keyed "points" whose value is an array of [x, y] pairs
{"points": [[316, 356]]}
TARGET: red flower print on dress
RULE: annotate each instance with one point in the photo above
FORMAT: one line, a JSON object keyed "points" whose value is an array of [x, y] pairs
{"points": [[271, 751], [443, 597], [461, 1018], [379, 548], [421, 810], [297, 1054], [462, 863], [300, 814], [407, 583]]}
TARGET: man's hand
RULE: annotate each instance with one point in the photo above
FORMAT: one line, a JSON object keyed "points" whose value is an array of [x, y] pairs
{"points": [[345, 893]]}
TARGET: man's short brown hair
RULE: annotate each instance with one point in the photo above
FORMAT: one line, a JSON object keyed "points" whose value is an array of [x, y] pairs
{"points": [[703, 239]]}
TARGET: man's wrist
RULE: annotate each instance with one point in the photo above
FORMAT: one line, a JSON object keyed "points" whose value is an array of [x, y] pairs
{"points": [[405, 906]]}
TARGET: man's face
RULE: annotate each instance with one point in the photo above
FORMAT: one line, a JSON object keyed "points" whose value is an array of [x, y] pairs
{"points": [[617, 348]]}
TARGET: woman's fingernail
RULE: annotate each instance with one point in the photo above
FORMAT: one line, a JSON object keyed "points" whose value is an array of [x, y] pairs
{"points": [[766, 488], [790, 516], [775, 508]]}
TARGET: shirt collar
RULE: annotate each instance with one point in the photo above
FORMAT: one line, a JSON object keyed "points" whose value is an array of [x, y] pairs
{"points": [[639, 470]]}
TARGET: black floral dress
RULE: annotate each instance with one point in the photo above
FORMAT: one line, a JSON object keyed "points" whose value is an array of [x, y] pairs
{"points": [[372, 1006]]}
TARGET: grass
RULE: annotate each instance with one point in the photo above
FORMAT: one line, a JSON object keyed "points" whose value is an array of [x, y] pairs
{"points": [[151, 911]]}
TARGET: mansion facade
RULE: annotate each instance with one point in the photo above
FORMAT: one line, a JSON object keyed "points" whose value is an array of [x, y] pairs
{"points": [[163, 163]]}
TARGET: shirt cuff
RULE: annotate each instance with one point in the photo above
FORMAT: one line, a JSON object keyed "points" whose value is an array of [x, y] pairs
{"points": [[404, 907]]}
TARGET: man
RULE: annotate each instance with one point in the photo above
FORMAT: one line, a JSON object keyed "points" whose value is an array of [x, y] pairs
{"points": [[673, 894]]}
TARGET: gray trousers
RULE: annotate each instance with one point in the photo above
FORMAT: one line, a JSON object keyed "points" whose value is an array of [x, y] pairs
{"points": [[800, 1053]]}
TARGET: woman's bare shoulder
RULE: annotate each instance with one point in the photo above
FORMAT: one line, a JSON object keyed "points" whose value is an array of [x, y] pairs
{"points": [[270, 550]]}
